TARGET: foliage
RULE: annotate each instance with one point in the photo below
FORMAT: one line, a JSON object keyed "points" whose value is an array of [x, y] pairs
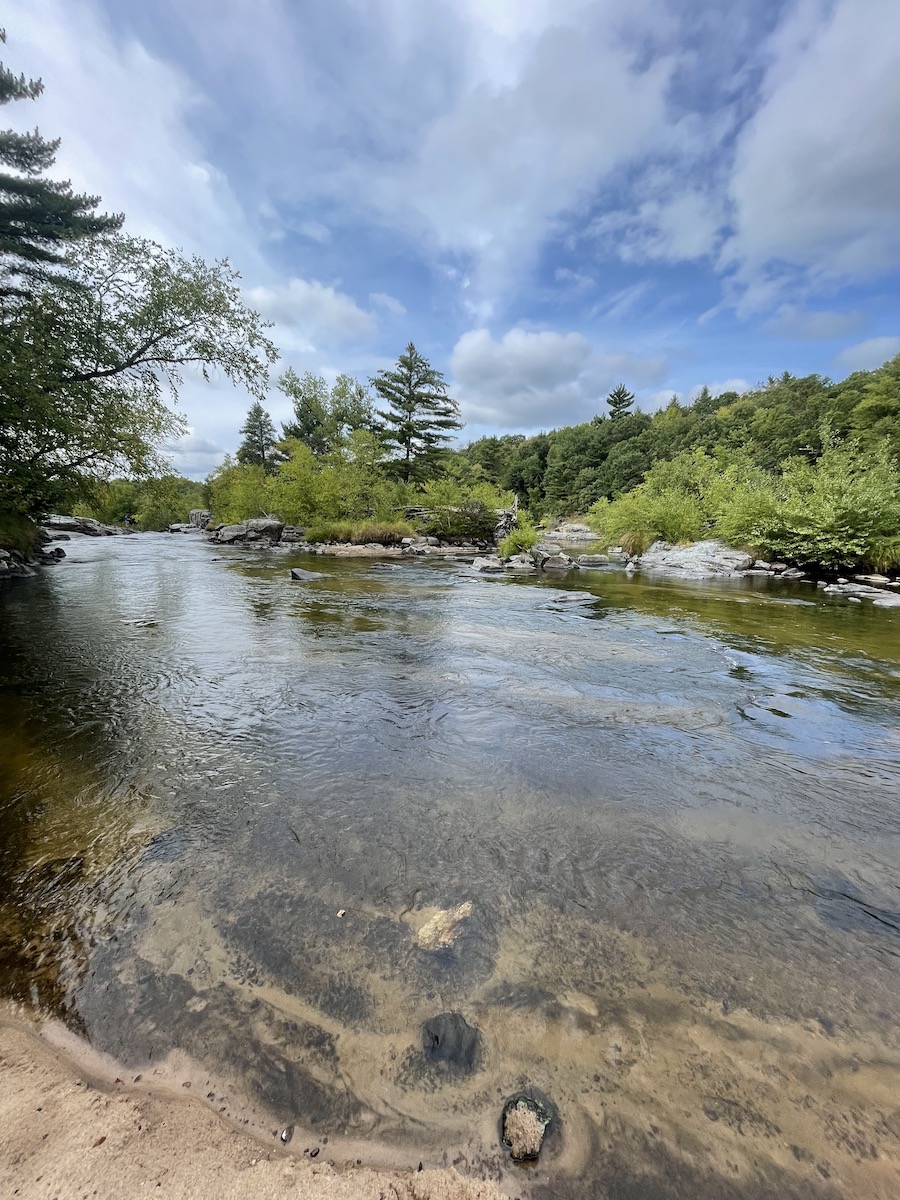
{"points": [[841, 512], [519, 540], [419, 418], [460, 511], [39, 218], [153, 503], [258, 446], [619, 401], [325, 418], [358, 533], [85, 370]]}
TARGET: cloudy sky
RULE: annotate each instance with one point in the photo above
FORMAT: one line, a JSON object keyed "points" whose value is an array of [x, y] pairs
{"points": [[548, 197]]}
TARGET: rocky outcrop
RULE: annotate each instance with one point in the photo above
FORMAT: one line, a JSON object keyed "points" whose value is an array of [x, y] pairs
{"points": [[259, 531], [86, 525], [593, 560], [200, 517], [701, 560], [14, 565], [574, 531], [879, 596]]}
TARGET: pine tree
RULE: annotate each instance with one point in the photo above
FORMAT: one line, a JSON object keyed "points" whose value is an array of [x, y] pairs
{"points": [[38, 217], [619, 401], [258, 447], [420, 416]]}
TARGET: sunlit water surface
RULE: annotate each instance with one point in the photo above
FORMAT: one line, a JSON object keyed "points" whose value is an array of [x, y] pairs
{"points": [[674, 808]]}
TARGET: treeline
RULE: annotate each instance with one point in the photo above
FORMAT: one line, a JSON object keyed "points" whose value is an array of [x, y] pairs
{"points": [[804, 468]]}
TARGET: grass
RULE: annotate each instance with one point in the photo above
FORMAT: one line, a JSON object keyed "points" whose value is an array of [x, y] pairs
{"points": [[357, 533]]}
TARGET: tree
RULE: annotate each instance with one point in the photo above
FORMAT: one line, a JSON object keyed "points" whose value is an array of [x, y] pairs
{"points": [[619, 401], [324, 418], [258, 447], [85, 370], [39, 218], [420, 415]]}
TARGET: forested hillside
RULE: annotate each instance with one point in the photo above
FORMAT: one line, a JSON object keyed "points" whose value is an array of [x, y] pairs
{"points": [[567, 470]]}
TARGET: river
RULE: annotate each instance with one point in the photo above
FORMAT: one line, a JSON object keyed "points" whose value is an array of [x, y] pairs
{"points": [[229, 801]]}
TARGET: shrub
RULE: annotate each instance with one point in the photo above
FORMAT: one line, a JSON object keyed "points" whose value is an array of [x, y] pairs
{"points": [[520, 539]]}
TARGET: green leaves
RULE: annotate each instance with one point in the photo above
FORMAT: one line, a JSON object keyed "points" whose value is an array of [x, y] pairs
{"points": [[86, 370]]}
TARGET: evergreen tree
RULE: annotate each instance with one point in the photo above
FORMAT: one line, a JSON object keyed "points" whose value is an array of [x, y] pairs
{"points": [[39, 217], [420, 416], [619, 401], [258, 447]]}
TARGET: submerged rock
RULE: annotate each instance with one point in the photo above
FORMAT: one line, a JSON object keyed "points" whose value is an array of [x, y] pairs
{"points": [[300, 574], [444, 928], [449, 1038], [526, 1118]]}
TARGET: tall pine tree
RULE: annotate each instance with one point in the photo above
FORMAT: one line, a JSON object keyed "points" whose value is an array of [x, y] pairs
{"points": [[258, 447], [419, 418], [619, 401], [39, 217]]}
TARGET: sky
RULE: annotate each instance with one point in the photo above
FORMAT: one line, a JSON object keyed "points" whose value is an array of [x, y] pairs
{"points": [[549, 197]]}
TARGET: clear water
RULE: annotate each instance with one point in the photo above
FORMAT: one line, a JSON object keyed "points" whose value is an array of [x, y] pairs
{"points": [[673, 807]]}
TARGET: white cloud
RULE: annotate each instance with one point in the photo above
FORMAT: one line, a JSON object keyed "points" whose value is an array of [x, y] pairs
{"points": [[576, 281], [310, 314], [316, 231], [513, 154], [673, 228], [194, 455], [814, 186], [125, 117], [791, 321], [530, 380], [866, 356], [390, 304]]}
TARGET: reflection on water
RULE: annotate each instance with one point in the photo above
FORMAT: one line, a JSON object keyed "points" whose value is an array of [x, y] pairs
{"points": [[229, 801]]}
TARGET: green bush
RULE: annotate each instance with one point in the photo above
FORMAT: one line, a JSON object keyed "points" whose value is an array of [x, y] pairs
{"points": [[520, 540], [840, 512]]}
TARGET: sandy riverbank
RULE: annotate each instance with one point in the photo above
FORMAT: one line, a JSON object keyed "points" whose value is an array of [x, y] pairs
{"points": [[68, 1135]]}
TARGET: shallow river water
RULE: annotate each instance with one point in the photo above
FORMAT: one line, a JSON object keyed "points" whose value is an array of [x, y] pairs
{"points": [[674, 809]]}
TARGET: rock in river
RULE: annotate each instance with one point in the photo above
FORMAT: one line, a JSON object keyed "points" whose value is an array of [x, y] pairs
{"points": [[300, 574], [526, 1118], [444, 927], [449, 1038]]}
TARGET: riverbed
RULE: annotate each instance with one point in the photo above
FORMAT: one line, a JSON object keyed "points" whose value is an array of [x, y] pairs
{"points": [[672, 809]]}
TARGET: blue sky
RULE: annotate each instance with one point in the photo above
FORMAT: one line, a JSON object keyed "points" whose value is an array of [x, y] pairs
{"points": [[548, 197]]}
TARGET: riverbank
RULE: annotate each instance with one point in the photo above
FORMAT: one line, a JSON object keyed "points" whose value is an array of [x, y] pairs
{"points": [[69, 1133]]}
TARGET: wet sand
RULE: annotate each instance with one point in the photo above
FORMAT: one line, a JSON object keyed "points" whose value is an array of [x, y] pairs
{"points": [[67, 1134]]}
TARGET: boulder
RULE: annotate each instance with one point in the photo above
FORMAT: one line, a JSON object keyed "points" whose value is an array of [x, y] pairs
{"points": [[293, 533], [488, 565], [593, 560], [228, 534], [442, 930], [302, 576], [520, 562], [524, 1123], [267, 527], [181, 528], [559, 562], [199, 517], [701, 560]]}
